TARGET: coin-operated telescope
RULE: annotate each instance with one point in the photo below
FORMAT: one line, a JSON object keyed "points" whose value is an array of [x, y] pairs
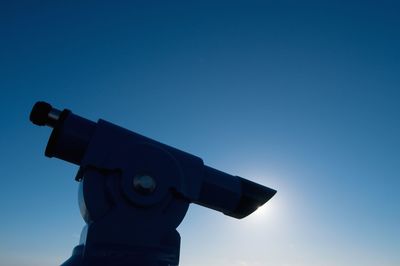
{"points": [[135, 191]]}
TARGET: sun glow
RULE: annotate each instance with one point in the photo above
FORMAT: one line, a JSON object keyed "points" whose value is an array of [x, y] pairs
{"points": [[272, 211], [267, 211]]}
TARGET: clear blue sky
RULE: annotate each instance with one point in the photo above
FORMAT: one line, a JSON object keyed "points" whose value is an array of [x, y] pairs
{"points": [[304, 98]]}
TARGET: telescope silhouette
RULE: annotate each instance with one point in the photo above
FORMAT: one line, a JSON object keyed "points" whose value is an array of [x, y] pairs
{"points": [[134, 191]]}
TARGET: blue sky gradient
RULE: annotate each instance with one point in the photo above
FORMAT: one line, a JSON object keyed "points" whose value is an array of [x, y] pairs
{"points": [[303, 97]]}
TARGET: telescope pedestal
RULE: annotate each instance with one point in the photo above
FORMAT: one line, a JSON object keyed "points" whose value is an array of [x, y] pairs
{"points": [[117, 256]]}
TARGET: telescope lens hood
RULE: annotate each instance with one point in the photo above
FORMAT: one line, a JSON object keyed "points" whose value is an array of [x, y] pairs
{"points": [[253, 196]]}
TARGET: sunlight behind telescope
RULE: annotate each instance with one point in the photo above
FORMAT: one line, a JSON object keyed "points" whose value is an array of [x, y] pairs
{"points": [[270, 213], [265, 212]]}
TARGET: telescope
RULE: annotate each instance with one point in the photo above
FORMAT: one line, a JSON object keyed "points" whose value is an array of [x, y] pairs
{"points": [[134, 191]]}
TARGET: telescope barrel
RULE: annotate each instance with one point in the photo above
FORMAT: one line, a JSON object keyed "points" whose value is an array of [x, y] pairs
{"points": [[232, 195]]}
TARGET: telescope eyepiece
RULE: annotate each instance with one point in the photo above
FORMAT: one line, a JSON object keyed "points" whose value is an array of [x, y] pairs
{"points": [[43, 114]]}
